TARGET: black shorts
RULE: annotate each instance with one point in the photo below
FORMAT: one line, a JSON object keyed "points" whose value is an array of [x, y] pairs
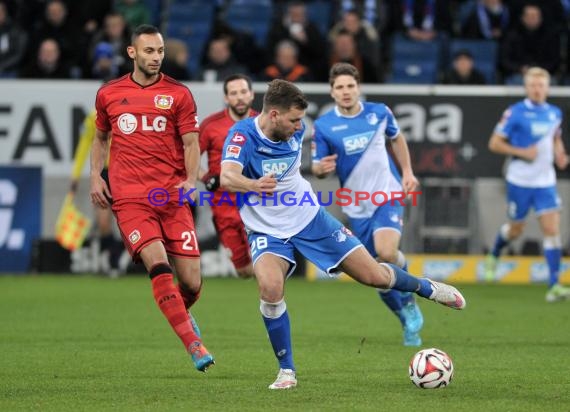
{"points": [[105, 177]]}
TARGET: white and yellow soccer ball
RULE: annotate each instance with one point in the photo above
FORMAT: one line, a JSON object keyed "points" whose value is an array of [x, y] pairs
{"points": [[431, 368]]}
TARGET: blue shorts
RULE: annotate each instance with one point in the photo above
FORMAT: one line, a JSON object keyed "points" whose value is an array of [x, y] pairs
{"points": [[521, 199], [324, 241], [385, 217]]}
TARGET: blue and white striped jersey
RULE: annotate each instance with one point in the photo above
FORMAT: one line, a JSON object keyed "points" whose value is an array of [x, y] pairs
{"points": [[525, 124], [363, 163], [276, 216]]}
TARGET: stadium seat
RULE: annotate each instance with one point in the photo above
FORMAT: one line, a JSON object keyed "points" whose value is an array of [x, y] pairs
{"points": [[251, 17], [195, 35], [484, 52], [414, 72], [319, 12], [415, 62], [155, 11]]}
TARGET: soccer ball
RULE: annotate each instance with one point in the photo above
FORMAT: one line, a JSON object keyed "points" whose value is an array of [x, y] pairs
{"points": [[431, 368]]}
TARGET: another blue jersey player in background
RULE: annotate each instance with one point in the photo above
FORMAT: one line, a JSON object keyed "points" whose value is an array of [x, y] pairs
{"points": [[263, 155], [351, 140], [529, 132]]}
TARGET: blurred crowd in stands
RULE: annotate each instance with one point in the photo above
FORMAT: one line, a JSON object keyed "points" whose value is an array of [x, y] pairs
{"points": [[390, 41]]}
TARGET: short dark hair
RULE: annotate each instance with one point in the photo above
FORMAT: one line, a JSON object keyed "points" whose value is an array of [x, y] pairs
{"points": [[340, 69], [463, 53], [283, 95], [143, 29], [237, 76]]}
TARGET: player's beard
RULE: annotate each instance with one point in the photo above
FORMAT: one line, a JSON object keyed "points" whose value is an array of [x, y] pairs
{"points": [[147, 72], [280, 136], [240, 112]]}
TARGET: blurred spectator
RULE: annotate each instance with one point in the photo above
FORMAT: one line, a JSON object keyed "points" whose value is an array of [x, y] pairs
{"points": [[344, 50], [532, 43], [242, 45], [134, 12], [220, 62], [489, 20], [48, 64], [553, 12], [58, 25], [287, 65], [364, 34], [295, 26], [104, 65], [370, 9], [12, 44], [91, 14], [175, 63], [421, 20], [115, 32], [463, 70]]}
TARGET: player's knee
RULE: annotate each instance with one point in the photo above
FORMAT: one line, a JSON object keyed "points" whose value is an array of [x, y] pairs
{"points": [[272, 310], [159, 269], [388, 255], [516, 231]]}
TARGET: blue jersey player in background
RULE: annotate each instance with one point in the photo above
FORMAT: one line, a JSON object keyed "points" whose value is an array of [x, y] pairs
{"points": [[351, 140], [261, 160], [529, 132]]}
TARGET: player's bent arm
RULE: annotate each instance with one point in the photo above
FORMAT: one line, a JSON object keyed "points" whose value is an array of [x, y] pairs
{"points": [[316, 169], [191, 157], [232, 179], [99, 152], [402, 153], [560, 155], [499, 144], [99, 189], [324, 166]]}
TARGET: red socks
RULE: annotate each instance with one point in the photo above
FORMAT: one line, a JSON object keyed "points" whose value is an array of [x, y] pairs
{"points": [[172, 305]]}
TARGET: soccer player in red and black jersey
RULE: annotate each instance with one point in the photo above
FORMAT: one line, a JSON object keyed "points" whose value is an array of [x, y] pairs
{"points": [[238, 96], [155, 152]]}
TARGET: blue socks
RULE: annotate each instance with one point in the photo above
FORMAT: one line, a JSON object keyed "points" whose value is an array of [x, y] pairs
{"points": [[393, 299], [404, 282], [501, 240], [553, 257], [279, 331]]}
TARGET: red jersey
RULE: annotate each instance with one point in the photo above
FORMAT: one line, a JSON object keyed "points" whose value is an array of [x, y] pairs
{"points": [[213, 133], [146, 124]]}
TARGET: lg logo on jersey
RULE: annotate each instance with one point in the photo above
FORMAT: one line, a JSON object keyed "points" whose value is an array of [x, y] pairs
{"points": [[128, 123]]}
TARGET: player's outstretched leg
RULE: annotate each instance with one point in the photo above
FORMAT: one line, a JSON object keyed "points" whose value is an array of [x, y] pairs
{"points": [[362, 267], [437, 291]]}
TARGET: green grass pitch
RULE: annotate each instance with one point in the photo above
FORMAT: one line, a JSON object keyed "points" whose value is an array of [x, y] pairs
{"points": [[93, 344]]}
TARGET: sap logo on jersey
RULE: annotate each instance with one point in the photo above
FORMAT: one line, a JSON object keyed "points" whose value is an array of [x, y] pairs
{"points": [[356, 143], [539, 129], [277, 166], [128, 123]]}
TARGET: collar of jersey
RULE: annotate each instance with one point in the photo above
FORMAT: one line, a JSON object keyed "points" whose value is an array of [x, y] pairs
{"points": [[528, 103], [339, 114], [261, 134]]}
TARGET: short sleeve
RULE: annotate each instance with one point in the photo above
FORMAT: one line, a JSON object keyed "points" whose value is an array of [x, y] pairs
{"points": [[319, 145], [392, 127], [186, 116], [236, 147], [506, 124], [101, 116]]}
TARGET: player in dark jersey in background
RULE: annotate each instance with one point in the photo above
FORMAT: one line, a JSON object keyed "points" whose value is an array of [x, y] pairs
{"points": [[155, 152], [238, 96]]}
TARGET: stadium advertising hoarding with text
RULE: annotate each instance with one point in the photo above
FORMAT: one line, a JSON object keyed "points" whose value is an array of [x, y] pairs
{"points": [[447, 127]]}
